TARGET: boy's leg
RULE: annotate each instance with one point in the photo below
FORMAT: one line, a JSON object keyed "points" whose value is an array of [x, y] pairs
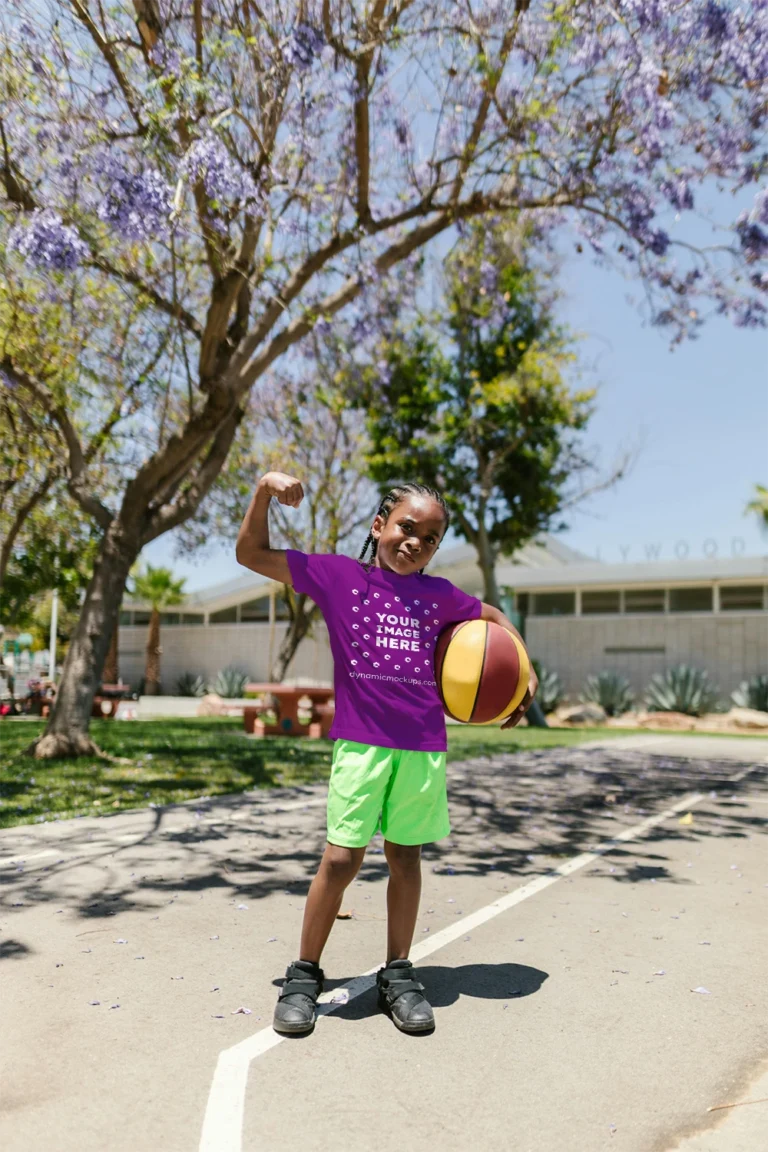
{"points": [[337, 870], [295, 1008], [403, 895]]}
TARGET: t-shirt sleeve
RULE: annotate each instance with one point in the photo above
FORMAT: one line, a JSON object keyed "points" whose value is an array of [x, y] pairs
{"points": [[461, 606], [311, 573]]}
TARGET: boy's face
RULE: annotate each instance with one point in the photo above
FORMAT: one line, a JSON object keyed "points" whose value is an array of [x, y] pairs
{"points": [[408, 540]]}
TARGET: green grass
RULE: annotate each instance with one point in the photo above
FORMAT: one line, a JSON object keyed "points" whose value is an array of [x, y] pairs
{"points": [[173, 760]]}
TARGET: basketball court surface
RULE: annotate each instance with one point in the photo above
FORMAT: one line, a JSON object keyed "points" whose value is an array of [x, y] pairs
{"points": [[592, 935]]}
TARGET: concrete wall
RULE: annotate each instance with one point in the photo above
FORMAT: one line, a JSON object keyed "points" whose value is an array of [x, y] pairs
{"points": [[206, 650], [728, 646]]}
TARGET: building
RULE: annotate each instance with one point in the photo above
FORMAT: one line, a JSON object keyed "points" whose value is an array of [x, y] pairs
{"points": [[579, 616]]}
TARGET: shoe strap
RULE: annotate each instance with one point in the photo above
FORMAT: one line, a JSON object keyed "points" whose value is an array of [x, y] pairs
{"points": [[302, 983], [395, 981]]}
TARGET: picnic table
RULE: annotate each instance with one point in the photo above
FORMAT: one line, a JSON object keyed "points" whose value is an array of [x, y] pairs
{"points": [[286, 698]]}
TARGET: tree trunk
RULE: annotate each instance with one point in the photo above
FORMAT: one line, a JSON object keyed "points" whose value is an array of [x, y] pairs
{"points": [[66, 733], [152, 667], [304, 616], [111, 673], [487, 558]]}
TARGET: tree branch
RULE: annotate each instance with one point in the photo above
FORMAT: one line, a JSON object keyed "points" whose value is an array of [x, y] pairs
{"points": [[76, 460], [169, 516]]}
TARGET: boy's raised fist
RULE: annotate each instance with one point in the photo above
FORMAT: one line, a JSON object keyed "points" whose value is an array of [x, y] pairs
{"points": [[287, 489]]}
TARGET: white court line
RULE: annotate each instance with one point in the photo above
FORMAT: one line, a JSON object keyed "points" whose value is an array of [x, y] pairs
{"points": [[223, 1121]]}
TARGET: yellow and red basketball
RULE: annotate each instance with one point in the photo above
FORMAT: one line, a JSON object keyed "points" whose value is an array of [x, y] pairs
{"points": [[482, 671]]}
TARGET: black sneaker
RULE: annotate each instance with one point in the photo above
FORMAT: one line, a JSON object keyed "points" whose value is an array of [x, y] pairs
{"points": [[402, 997], [295, 1008]]}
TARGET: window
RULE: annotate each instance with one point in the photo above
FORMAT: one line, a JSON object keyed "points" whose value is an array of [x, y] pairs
{"points": [[521, 603], [126, 617], [189, 618], [554, 604], [644, 600], [594, 603], [225, 616], [690, 599], [255, 610], [169, 617], [141, 617], [741, 597]]}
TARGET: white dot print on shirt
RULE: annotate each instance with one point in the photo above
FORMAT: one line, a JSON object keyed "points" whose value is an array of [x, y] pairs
{"points": [[417, 669], [366, 637], [435, 621], [375, 663], [366, 601], [397, 667], [426, 629], [366, 654], [417, 601], [407, 659], [354, 591], [427, 645], [355, 644], [355, 626], [366, 619], [354, 661], [386, 657], [376, 596], [387, 605], [397, 599], [434, 605], [355, 608]]}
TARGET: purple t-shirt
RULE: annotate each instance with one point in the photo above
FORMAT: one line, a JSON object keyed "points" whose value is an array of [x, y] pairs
{"points": [[383, 628]]}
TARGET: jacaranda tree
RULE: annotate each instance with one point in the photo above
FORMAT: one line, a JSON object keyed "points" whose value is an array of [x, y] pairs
{"points": [[245, 169]]}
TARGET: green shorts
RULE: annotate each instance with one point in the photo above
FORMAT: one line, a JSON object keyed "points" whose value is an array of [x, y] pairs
{"points": [[402, 793]]}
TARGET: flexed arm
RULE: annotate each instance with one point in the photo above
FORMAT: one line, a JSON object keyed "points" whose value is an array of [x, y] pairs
{"points": [[252, 549]]}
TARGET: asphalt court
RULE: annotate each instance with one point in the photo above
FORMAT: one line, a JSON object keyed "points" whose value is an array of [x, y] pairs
{"points": [[567, 1020]]}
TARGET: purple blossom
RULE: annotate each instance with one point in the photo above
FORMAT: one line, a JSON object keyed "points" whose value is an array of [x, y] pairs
{"points": [[753, 239], [138, 205], [47, 242], [304, 45], [224, 179], [679, 193], [714, 20]]}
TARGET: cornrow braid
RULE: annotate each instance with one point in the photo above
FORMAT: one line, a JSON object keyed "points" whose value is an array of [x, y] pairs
{"points": [[396, 494]]}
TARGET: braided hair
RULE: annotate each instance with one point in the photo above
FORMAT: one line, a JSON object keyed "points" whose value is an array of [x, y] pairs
{"points": [[394, 497]]}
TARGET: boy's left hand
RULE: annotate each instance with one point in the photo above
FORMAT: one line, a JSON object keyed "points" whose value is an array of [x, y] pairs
{"points": [[525, 703]]}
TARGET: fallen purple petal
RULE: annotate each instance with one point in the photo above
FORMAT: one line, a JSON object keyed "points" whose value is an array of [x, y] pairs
{"points": [[245, 1011], [702, 990]]}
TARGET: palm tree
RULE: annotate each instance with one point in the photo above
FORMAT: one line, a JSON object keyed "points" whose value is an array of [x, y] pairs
{"points": [[155, 586], [760, 504]]}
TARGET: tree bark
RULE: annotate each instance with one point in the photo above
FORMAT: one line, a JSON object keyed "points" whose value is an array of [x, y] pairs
{"points": [[111, 674], [152, 667], [487, 557], [67, 731], [301, 625]]}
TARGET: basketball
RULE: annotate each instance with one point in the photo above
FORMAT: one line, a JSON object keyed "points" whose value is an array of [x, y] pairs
{"points": [[482, 671]]}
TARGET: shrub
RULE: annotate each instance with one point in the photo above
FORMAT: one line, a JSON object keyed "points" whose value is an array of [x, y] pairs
{"points": [[611, 691], [230, 682], [550, 691], [681, 689], [752, 693], [191, 685]]}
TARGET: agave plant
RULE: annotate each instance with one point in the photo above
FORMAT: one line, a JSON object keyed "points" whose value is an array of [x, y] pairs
{"points": [[191, 685], [230, 682], [550, 690], [681, 689], [611, 691], [752, 693]]}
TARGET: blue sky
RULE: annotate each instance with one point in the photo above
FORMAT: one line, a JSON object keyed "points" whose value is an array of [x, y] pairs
{"points": [[696, 416]]}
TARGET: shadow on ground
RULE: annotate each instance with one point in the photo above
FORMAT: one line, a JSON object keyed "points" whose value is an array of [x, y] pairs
{"points": [[514, 815]]}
